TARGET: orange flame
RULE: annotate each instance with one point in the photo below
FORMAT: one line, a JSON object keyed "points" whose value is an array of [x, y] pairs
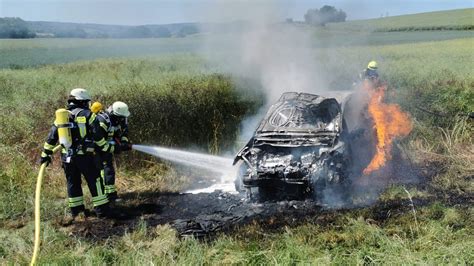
{"points": [[390, 122]]}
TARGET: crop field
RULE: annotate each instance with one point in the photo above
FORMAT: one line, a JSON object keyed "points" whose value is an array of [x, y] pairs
{"points": [[25, 53], [180, 99], [442, 20], [17, 54]]}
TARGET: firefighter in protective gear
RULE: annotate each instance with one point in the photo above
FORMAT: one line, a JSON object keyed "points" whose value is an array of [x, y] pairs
{"points": [[370, 73], [79, 158], [113, 123]]}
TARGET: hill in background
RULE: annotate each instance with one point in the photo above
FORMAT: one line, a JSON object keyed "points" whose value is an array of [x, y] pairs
{"points": [[459, 19], [88, 30], [16, 28]]}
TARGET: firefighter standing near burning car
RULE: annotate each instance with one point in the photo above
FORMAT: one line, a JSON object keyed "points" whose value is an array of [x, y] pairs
{"points": [[370, 73], [77, 130], [113, 124]]}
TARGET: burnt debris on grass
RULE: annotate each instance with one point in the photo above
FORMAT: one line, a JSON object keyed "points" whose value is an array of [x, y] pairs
{"points": [[206, 214]]}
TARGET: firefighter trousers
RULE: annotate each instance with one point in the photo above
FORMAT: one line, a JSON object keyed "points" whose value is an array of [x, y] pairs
{"points": [[108, 174], [84, 165]]}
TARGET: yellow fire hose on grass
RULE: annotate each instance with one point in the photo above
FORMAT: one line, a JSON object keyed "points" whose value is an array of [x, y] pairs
{"points": [[39, 182], [64, 137]]}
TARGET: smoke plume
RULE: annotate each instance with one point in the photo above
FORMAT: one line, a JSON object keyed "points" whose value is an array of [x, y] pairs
{"points": [[264, 48], [257, 44]]}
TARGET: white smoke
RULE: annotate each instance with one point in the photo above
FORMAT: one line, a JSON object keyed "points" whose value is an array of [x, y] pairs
{"points": [[264, 48], [280, 57]]}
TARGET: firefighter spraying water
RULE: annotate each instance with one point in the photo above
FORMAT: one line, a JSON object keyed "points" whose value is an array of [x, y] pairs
{"points": [[87, 136], [113, 124]]}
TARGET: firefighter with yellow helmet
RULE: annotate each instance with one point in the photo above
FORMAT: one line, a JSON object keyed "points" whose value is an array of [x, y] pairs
{"points": [[370, 73], [113, 124], [77, 130]]}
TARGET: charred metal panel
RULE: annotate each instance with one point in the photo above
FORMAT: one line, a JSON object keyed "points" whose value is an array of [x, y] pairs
{"points": [[297, 142]]}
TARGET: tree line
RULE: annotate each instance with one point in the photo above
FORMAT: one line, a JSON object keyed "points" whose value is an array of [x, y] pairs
{"points": [[15, 28], [325, 14]]}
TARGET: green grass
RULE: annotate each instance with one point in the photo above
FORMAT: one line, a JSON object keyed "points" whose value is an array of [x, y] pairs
{"points": [[183, 100], [18, 54], [26, 53], [443, 235], [176, 101], [328, 38], [437, 75], [459, 19]]}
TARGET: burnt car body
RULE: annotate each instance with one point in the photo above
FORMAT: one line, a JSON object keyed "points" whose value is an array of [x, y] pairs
{"points": [[298, 148]]}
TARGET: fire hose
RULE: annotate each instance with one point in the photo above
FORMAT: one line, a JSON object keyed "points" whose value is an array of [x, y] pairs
{"points": [[39, 182]]}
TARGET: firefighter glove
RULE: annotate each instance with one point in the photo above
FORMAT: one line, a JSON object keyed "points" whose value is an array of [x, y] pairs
{"points": [[45, 159], [117, 148], [125, 146]]}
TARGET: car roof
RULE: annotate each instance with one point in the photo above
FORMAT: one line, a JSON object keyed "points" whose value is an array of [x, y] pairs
{"points": [[316, 106]]}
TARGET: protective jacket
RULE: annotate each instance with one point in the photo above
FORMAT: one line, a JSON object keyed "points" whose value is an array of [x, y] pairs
{"points": [[79, 158], [369, 74], [116, 133], [84, 131], [117, 140]]}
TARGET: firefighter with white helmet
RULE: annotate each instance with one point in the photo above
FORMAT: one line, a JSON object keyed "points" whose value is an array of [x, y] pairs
{"points": [[113, 123], [77, 130]]}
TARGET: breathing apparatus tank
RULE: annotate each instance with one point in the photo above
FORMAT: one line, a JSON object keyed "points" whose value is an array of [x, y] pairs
{"points": [[64, 128]]}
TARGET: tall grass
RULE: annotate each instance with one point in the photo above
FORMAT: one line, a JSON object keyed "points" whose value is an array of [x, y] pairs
{"points": [[175, 101], [183, 101], [18, 54], [444, 236]]}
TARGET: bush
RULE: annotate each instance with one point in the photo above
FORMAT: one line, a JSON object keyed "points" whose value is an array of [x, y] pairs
{"points": [[15, 28], [203, 111]]}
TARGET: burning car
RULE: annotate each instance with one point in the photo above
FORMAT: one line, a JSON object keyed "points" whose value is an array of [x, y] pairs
{"points": [[298, 149]]}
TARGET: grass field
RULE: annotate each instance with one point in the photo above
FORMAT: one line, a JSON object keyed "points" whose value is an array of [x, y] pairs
{"points": [[447, 20], [25, 53], [17, 54], [186, 101]]}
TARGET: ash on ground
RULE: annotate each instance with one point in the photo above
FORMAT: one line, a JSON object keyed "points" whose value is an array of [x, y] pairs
{"points": [[208, 214], [202, 214]]}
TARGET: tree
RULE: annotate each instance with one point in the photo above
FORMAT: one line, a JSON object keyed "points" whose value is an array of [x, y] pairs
{"points": [[161, 32], [187, 30], [324, 15], [15, 28], [75, 32], [138, 32]]}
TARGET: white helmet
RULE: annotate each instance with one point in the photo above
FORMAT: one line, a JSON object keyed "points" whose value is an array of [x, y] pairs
{"points": [[80, 94], [120, 109]]}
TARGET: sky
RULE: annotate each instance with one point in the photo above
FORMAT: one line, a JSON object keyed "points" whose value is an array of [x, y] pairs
{"points": [[139, 12]]}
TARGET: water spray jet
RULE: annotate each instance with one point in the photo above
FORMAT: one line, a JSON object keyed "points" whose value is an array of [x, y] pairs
{"points": [[218, 164]]}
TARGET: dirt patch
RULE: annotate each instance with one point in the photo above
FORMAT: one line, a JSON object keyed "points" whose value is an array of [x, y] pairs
{"points": [[206, 214]]}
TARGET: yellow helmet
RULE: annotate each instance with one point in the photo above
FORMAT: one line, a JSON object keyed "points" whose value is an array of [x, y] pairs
{"points": [[372, 65], [96, 107]]}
